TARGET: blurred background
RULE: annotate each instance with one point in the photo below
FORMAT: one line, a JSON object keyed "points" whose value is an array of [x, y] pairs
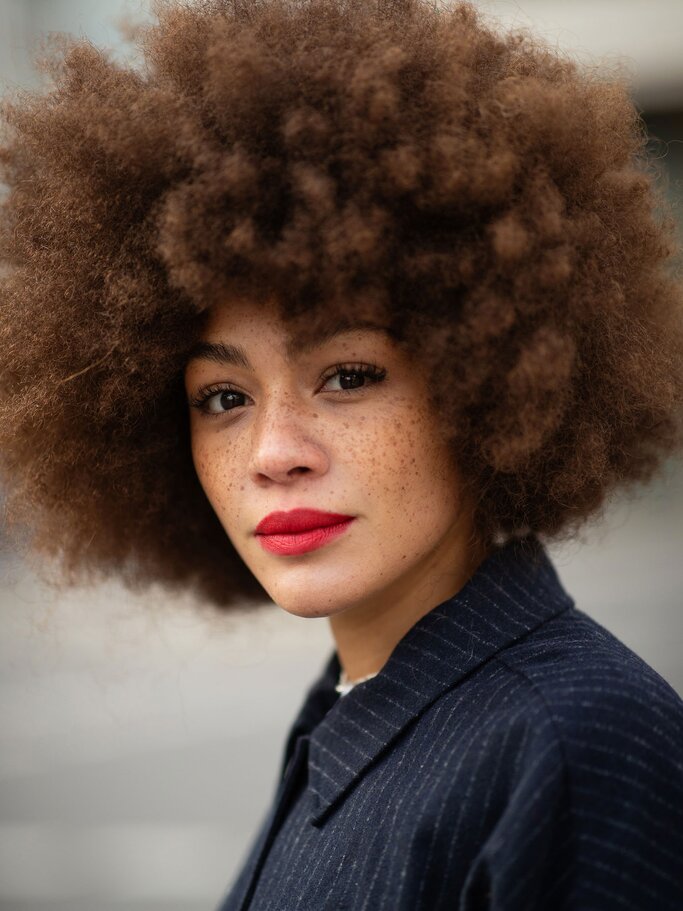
{"points": [[140, 736]]}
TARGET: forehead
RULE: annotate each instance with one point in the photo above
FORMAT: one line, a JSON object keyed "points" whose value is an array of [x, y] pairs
{"points": [[219, 338]]}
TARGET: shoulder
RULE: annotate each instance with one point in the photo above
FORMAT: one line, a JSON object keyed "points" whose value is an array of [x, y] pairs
{"points": [[612, 714], [572, 690], [602, 697], [618, 728], [594, 799]]}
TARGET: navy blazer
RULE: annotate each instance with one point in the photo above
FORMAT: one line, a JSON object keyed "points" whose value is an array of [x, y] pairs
{"points": [[511, 754]]}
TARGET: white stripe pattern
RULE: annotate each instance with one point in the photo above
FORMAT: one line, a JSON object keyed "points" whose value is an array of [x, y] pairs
{"points": [[511, 755]]}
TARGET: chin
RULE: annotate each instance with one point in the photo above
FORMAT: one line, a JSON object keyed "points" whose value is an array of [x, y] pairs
{"points": [[308, 602], [305, 613]]}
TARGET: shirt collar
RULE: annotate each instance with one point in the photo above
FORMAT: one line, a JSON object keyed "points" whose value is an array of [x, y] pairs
{"points": [[513, 591]]}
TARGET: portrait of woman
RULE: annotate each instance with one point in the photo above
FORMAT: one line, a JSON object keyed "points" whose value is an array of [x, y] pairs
{"points": [[356, 306]]}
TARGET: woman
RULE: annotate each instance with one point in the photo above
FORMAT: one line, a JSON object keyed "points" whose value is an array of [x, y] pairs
{"points": [[353, 306]]}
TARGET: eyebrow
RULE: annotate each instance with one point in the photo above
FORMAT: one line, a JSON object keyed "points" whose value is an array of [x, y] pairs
{"points": [[236, 356]]}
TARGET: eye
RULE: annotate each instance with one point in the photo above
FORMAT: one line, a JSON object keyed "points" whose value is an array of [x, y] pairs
{"points": [[216, 400], [356, 374], [225, 400]]}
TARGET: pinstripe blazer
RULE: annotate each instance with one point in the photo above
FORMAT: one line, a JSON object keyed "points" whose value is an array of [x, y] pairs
{"points": [[511, 754]]}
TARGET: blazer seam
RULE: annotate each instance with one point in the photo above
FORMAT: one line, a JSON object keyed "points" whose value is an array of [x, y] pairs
{"points": [[536, 689]]}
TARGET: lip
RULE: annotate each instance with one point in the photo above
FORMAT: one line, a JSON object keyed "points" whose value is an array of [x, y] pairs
{"points": [[303, 541], [296, 521]]}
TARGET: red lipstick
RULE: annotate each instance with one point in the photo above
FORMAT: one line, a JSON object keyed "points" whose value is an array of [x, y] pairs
{"points": [[300, 530]]}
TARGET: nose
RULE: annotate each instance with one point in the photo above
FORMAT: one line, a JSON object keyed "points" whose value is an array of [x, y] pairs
{"points": [[284, 445]]}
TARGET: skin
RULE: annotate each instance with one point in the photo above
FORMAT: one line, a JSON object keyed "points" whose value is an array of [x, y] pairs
{"points": [[290, 438]]}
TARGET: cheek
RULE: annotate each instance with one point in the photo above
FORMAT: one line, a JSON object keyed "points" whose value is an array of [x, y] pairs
{"points": [[420, 471], [216, 475]]}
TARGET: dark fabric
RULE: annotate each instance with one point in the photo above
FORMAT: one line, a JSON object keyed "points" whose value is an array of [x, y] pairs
{"points": [[511, 754]]}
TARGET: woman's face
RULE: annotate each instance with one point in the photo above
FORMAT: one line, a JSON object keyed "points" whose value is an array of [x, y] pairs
{"points": [[278, 435]]}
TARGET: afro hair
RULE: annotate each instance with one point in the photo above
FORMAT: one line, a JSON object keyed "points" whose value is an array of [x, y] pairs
{"points": [[480, 195]]}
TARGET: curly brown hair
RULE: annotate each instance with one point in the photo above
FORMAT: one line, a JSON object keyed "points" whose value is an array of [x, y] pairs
{"points": [[484, 198]]}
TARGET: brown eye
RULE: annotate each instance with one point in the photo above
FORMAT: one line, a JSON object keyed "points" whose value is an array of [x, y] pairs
{"points": [[224, 400], [352, 377]]}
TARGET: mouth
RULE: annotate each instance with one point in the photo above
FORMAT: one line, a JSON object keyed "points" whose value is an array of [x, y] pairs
{"points": [[296, 521], [299, 542]]}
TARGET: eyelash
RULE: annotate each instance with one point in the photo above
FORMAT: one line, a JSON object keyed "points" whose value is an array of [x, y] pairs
{"points": [[371, 371]]}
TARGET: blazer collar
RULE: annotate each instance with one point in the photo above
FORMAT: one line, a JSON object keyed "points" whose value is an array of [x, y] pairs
{"points": [[512, 592]]}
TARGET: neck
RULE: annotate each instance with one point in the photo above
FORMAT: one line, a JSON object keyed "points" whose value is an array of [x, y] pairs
{"points": [[365, 634]]}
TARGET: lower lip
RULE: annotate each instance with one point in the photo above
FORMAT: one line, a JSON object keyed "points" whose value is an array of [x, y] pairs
{"points": [[303, 541]]}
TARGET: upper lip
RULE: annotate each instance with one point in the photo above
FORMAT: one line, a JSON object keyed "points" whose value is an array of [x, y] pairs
{"points": [[298, 520]]}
